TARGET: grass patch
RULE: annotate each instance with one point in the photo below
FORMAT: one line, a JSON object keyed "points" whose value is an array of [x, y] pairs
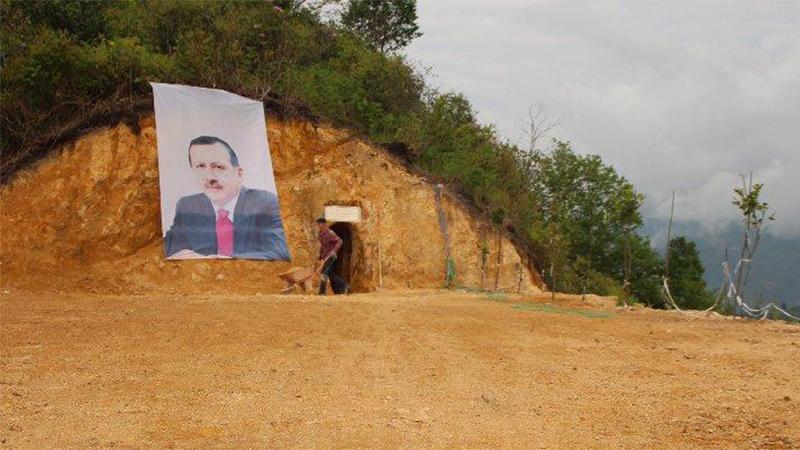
{"points": [[493, 296], [498, 297], [561, 310]]}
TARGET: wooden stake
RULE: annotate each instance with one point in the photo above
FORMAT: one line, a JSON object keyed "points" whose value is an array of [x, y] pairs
{"points": [[378, 245], [499, 259], [669, 235], [380, 268]]}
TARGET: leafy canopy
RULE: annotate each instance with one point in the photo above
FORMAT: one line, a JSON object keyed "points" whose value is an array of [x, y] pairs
{"points": [[386, 25], [687, 285]]}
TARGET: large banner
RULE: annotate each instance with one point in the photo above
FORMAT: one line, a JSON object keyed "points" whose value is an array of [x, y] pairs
{"points": [[218, 194]]}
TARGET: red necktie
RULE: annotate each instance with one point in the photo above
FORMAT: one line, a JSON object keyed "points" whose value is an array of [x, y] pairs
{"points": [[224, 233]]}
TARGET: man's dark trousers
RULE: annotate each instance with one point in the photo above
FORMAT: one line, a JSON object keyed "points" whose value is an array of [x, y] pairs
{"points": [[339, 285]]}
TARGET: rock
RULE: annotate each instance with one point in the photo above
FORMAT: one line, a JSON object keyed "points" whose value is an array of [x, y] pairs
{"points": [[421, 416]]}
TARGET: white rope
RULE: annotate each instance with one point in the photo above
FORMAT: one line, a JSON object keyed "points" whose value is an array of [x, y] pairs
{"points": [[758, 313], [666, 294], [785, 312], [719, 296]]}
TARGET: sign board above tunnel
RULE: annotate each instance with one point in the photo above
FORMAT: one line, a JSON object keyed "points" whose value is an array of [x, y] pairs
{"points": [[335, 213]]}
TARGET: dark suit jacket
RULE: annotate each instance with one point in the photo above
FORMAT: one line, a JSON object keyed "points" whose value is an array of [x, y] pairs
{"points": [[257, 226]]}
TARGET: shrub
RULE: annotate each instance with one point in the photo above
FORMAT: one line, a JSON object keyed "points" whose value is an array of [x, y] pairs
{"points": [[75, 63]]}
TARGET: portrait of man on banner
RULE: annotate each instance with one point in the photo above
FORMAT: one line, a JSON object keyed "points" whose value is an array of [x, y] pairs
{"points": [[219, 198]]}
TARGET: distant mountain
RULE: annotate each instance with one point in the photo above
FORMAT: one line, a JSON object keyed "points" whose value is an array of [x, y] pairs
{"points": [[775, 271]]}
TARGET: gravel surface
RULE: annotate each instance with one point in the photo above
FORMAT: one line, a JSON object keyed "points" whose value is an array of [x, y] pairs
{"points": [[385, 370]]}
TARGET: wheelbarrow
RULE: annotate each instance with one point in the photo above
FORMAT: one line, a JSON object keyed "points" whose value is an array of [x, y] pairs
{"points": [[298, 276]]}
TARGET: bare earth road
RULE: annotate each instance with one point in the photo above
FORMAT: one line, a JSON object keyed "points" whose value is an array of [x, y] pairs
{"points": [[383, 370]]}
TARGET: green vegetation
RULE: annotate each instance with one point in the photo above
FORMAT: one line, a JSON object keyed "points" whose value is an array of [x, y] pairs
{"points": [[387, 25], [544, 307], [498, 297], [589, 213], [756, 214], [68, 65], [686, 278]]}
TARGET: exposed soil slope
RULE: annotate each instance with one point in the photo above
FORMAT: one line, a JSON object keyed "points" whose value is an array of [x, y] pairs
{"points": [[86, 219]]}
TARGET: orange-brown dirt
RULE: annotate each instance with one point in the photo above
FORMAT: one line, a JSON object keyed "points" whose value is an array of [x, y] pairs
{"points": [[87, 219], [385, 370], [103, 343]]}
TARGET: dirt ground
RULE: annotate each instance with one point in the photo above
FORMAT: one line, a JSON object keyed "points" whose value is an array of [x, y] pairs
{"points": [[382, 370]]}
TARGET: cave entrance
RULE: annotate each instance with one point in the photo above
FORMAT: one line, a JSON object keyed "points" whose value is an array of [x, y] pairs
{"points": [[343, 267]]}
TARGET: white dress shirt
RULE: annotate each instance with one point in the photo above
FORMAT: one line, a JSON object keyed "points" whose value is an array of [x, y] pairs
{"points": [[230, 207]]}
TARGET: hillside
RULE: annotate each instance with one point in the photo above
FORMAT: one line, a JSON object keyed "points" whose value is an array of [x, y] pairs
{"points": [[87, 219], [71, 67]]}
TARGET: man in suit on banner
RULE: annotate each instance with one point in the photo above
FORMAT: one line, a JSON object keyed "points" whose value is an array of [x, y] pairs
{"points": [[225, 220]]}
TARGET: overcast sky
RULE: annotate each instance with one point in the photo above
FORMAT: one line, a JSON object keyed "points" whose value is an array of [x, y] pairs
{"points": [[681, 96]]}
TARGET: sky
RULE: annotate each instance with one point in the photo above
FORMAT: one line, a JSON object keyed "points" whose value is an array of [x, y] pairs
{"points": [[681, 96]]}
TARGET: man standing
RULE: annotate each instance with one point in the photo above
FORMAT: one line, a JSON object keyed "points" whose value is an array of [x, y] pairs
{"points": [[329, 245], [226, 219]]}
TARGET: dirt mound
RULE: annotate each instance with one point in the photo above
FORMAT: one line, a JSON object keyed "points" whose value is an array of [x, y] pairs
{"points": [[87, 219]]}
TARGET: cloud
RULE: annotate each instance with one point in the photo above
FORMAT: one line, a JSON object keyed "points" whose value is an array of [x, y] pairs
{"points": [[677, 96]]}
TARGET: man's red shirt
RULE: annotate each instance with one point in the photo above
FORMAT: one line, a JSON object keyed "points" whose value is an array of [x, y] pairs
{"points": [[329, 242]]}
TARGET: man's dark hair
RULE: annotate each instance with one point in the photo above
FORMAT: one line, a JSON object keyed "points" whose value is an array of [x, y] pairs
{"points": [[209, 140], [322, 220]]}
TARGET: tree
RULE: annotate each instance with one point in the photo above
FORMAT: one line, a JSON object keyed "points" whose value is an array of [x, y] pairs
{"points": [[386, 25], [687, 285], [311, 5], [592, 204], [538, 126], [83, 19], [755, 216], [596, 211]]}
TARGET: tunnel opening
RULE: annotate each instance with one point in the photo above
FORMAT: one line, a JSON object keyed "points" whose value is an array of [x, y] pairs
{"points": [[343, 267]]}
